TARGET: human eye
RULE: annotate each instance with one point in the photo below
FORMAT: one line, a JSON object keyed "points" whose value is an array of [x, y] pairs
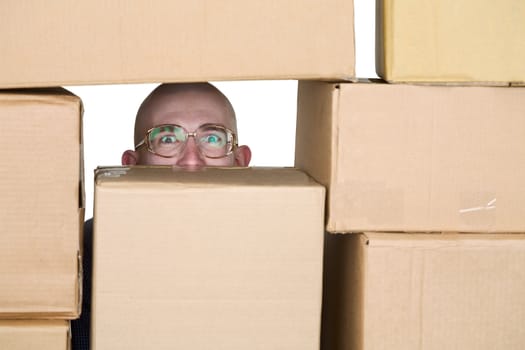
{"points": [[213, 139], [167, 139]]}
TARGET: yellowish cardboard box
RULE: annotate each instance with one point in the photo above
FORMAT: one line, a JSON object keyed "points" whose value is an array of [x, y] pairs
{"points": [[441, 41], [34, 335], [92, 42], [221, 258], [41, 206], [415, 158], [424, 291]]}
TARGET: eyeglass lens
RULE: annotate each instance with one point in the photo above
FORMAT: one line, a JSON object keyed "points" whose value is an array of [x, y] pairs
{"points": [[170, 140]]}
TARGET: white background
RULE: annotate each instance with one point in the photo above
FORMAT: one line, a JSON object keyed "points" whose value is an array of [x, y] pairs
{"points": [[266, 110]]}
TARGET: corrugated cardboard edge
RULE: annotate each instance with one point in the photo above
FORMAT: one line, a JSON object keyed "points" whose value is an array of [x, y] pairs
{"points": [[343, 291], [351, 77], [315, 107], [337, 146], [382, 41], [202, 178], [69, 337], [81, 206], [347, 75], [80, 289], [423, 82], [335, 119], [441, 239], [46, 94]]}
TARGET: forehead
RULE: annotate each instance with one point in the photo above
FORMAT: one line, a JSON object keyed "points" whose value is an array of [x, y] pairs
{"points": [[189, 109]]}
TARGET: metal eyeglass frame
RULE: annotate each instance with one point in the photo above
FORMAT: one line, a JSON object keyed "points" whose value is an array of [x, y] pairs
{"points": [[232, 141]]}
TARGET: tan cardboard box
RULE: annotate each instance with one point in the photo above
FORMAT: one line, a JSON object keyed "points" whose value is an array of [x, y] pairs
{"points": [[91, 42], [221, 258], [424, 291], [41, 203], [34, 335], [451, 41], [415, 158]]}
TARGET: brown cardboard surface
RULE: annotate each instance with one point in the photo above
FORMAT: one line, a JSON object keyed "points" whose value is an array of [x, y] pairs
{"points": [[41, 206], [415, 158], [450, 41], [34, 335], [228, 257], [424, 291], [96, 41]]}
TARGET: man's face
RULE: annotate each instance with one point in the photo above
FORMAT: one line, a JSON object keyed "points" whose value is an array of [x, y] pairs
{"points": [[190, 110]]}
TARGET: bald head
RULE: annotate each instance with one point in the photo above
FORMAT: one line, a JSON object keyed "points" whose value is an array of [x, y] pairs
{"points": [[187, 102], [190, 105]]}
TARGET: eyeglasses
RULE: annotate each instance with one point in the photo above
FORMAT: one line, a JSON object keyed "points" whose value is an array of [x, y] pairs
{"points": [[169, 140]]}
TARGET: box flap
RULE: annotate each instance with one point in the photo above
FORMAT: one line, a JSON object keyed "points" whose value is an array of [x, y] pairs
{"points": [[202, 177]]}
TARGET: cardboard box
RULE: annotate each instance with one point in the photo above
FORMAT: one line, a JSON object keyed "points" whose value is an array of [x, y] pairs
{"points": [[415, 158], [228, 258], [450, 41], [424, 291], [34, 335], [41, 206], [96, 41]]}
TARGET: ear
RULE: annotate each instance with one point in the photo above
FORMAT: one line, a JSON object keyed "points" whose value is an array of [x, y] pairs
{"points": [[243, 155], [130, 157]]}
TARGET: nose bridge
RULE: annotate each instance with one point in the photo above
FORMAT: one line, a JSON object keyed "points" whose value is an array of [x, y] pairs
{"points": [[194, 142], [191, 154], [192, 134], [191, 144]]}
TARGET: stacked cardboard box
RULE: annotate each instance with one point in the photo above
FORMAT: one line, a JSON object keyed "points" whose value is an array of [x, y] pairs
{"points": [[448, 41], [233, 257], [41, 211], [407, 167], [399, 157], [93, 42], [228, 258], [424, 291], [33, 334], [96, 41]]}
